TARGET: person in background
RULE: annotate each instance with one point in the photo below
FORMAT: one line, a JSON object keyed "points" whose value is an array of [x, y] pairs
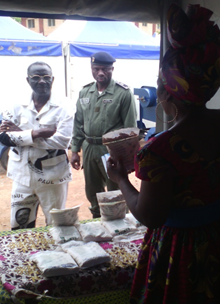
{"points": [[102, 106], [179, 198], [38, 131]]}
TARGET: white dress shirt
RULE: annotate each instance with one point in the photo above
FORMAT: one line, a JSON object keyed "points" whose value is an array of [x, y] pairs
{"points": [[44, 158]]}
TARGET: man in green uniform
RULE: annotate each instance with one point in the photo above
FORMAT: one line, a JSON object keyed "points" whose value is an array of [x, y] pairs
{"points": [[102, 106]]}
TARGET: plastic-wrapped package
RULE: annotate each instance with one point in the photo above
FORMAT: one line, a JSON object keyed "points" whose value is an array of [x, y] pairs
{"points": [[119, 227], [69, 244], [65, 217], [113, 211], [62, 234], [135, 222], [88, 255], [94, 231], [110, 196], [54, 263], [123, 144], [112, 205]]}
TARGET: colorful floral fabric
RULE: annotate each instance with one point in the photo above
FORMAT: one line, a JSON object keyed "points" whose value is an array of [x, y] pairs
{"points": [[22, 278], [179, 265], [191, 66]]}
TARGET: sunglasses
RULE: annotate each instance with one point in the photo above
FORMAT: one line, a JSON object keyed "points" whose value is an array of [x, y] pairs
{"points": [[37, 78]]}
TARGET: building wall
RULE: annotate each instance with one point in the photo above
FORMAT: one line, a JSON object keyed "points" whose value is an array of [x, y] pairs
{"points": [[42, 26], [47, 26], [36, 28], [148, 28]]}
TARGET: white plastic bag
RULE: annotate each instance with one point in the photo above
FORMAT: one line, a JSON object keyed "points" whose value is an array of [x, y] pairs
{"points": [[70, 244], [54, 263], [62, 234], [93, 231], [119, 227], [135, 222], [110, 196], [113, 211], [65, 217], [112, 205], [88, 255]]}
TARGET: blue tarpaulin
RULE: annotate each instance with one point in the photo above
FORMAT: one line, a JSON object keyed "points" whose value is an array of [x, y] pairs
{"points": [[17, 40], [121, 39], [118, 51]]}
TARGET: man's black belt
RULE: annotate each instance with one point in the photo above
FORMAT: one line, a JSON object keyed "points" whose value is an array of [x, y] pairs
{"points": [[94, 140]]}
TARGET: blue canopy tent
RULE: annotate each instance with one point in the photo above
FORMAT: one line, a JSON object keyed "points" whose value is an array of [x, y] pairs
{"points": [[17, 40], [122, 39]]}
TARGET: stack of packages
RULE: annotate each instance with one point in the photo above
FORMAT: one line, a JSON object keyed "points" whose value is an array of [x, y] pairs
{"points": [[77, 245], [122, 226], [122, 144]]}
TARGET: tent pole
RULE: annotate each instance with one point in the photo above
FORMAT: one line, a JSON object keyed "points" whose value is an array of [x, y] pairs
{"points": [[65, 52]]}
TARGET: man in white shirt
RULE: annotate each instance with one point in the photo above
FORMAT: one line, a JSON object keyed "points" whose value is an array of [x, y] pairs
{"points": [[38, 131]]}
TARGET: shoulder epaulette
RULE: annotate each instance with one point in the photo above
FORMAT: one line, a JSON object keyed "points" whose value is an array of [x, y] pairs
{"points": [[89, 84], [121, 84]]}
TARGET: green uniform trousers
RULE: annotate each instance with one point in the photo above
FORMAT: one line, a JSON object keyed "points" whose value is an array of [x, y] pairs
{"points": [[96, 179]]}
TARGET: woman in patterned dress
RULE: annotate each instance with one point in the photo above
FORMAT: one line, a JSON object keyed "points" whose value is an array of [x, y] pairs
{"points": [[179, 199]]}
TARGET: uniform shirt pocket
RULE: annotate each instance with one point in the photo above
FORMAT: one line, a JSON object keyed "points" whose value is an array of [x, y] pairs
{"points": [[85, 104]]}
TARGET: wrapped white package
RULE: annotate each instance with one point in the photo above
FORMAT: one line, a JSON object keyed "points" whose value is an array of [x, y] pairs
{"points": [[112, 211], [119, 227], [112, 205], [65, 217], [134, 221], [88, 255], [94, 231], [110, 196], [71, 244], [54, 263], [62, 234]]}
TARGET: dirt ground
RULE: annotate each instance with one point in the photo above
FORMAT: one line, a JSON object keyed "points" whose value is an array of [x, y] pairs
{"points": [[76, 196]]}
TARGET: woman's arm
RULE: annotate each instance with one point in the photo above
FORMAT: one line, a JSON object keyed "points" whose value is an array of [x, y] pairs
{"points": [[151, 205]]}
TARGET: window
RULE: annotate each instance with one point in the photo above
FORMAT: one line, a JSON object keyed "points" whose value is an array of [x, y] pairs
{"points": [[158, 26], [51, 22], [144, 24], [31, 23]]}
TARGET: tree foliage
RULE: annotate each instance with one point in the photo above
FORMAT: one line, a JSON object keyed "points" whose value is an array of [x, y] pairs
{"points": [[18, 19]]}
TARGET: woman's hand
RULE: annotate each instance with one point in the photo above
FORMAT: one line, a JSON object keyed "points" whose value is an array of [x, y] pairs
{"points": [[116, 170]]}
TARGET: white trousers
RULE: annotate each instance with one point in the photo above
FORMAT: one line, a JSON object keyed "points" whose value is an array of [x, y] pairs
{"points": [[25, 201]]}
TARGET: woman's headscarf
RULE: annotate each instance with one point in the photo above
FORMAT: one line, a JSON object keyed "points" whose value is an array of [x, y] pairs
{"points": [[191, 66]]}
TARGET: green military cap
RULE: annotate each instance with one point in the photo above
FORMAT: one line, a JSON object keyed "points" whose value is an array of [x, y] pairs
{"points": [[102, 58]]}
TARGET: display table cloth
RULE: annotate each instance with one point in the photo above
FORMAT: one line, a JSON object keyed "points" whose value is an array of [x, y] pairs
{"points": [[21, 278]]}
